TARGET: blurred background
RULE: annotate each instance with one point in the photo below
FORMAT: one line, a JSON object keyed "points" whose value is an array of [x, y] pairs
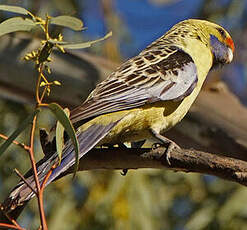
{"points": [[144, 199]]}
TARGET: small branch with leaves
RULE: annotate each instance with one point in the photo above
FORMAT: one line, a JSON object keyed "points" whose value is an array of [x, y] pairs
{"points": [[41, 57]]}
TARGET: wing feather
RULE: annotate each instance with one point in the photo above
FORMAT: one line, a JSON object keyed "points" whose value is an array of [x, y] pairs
{"points": [[150, 77]]}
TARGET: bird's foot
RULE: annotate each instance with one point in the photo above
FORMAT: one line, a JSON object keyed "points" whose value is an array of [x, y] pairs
{"points": [[169, 144]]}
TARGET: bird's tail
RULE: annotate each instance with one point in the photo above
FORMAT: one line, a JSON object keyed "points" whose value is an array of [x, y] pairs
{"points": [[87, 140]]}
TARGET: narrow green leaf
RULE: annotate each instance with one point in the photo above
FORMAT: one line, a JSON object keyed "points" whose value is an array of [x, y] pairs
{"points": [[82, 45], [68, 21], [16, 24], [53, 41], [14, 9], [16, 133], [65, 121], [59, 136]]}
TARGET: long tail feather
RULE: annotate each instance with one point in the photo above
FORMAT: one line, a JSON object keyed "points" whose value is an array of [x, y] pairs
{"points": [[87, 140]]}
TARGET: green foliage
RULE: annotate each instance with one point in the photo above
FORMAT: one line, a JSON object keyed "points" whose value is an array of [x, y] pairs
{"points": [[16, 24], [68, 21], [62, 117], [40, 57], [60, 136], [14, 9], [26, 24], [82, 45]]}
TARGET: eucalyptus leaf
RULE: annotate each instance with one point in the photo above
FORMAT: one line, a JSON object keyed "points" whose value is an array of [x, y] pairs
{"points": [[65, 121], [16, 133], [14, 9], [68, 21], [54, 41], [16, 24], [60, 136], [82, 45]]}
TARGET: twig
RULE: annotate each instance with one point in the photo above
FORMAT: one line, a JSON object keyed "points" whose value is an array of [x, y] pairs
{"points": [[10, 226], [47, 177], [39, 57], [41, 192], [15, 224], [43, 93], [32, 159], [31, 153], [30, 149], [25, 181], [15, 142]]}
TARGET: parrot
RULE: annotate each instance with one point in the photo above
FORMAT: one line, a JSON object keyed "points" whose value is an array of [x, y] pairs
{"points": [[146, 96]]}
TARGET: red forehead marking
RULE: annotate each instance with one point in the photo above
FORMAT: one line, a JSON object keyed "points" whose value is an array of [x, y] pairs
{"points": [[230, 42]]}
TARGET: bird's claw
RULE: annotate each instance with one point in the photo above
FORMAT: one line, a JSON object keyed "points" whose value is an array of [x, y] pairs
{"points": [[172, 145]]}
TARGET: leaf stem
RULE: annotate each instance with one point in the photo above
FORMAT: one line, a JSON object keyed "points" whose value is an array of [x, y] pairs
{"points": [[15, 142], [43, 93]]}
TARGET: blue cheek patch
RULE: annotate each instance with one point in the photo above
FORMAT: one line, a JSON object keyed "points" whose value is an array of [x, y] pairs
{"points": [[219, 49]]}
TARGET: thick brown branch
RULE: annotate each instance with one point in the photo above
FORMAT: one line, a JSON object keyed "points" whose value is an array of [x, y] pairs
{"points": [[181, 160]]}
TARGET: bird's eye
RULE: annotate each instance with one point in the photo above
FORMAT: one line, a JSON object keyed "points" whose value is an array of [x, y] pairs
{"points": [[222, 32]]}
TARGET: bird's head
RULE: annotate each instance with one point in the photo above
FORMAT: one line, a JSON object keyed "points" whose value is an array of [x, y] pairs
{"points": [[217, 39]]}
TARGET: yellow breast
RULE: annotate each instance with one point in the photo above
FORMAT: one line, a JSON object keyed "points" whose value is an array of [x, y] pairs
{"points": [[137, 123]]}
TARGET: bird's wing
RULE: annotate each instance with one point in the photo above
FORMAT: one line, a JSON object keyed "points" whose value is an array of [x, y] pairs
{"points": [[154, 75]]}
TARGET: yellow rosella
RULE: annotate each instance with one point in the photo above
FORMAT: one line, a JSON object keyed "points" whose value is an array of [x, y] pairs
{"points": [[146, 95]]}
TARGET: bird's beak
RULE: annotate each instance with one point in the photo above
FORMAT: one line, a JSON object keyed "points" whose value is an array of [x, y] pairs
{"points": [[229, 55]]}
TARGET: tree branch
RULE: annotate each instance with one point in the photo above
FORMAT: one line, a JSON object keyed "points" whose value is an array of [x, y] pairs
{"points": [[181, 160]]}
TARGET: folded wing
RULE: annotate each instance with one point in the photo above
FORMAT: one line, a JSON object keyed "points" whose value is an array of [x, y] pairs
{"points": [[152, 76]]}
